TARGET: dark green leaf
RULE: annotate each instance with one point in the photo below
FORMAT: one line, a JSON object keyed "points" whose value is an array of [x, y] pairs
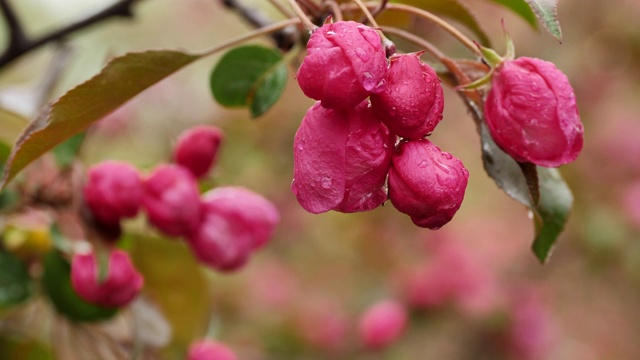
{"points": [[119, 81], [249, 76], [15, 283], [552, 212], [56, 282], [454, 10], [547, 13], [529, 185], [68, 150], [504, 170], [521, 8]]}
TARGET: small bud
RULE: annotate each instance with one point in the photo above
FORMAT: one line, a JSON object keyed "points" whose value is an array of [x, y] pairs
{"points": [[532, 114], [121, 284], [382, 324], [113, 191], [172, 201], [341, 159], [197, 149], [426, 183], [223, 241], [345, 64], [258, 214], [210, 350], [412, 103]]}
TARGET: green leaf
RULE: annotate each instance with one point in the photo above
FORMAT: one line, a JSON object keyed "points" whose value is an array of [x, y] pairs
{"points": [[552, 212], [119, 81], [521, 8], [504, 170], [68, 150], [249, 76], [56, 282], [540, 189], [454, 10], [547, 13], [15, 283]]}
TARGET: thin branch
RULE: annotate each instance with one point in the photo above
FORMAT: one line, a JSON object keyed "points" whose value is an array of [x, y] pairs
{"points": [[16, 32], [335, 9], [286, 12], [366, 13], [284, 39], [422, 43], [20, 44], [256, 33], [427, 16], [303, 17]]}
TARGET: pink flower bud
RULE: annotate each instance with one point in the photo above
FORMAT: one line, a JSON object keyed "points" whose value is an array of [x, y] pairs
{"points": [[210, 350], [345, 64], [341, 159], [382, 324], [426, 183], [226, 236], [120, 285], [411, 104], [258, 214], [197, 149], [532, 114], [172, 201], [113, 191]]}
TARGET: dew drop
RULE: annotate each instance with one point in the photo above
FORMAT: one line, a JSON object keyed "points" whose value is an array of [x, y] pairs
{"points": [[326, 182]]}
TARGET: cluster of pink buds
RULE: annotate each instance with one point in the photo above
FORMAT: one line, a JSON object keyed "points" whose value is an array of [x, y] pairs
{"points": [[222, 227], [346, 150]]}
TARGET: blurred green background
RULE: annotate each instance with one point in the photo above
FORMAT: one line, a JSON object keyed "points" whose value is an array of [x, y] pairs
{"points": [[300, 297]]}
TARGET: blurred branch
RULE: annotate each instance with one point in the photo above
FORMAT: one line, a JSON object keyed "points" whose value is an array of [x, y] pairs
{"points": [[20, 44], [284, 39]]}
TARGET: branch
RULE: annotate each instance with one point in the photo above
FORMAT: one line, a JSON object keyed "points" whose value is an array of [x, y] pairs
{"points": [[284, 39], [19, 44]]}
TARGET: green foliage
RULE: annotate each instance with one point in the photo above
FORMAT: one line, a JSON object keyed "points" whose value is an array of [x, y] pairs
{"points": [[547, 13], [15, 283], [521, 8], [552, 211], [540, 189], [119, 81], [249, 76], [56, 282]]}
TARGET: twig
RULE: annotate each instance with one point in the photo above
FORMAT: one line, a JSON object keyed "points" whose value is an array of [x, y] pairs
{"points": [[256, 33], [303, 17], [335, 9], [19, 44], [284, 39], [422, 43], [427, 16]]}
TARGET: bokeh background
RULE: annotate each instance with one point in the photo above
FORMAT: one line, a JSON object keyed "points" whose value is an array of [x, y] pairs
{"points": [[473, 289]]}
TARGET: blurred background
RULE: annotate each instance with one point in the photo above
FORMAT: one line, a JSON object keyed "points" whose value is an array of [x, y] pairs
{"points": [[473, 289]]}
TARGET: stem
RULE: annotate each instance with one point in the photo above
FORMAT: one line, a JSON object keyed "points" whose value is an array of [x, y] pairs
{"points": [[429, 17], [335, 9], [450, 64], [426, 45], [286, 12], [366, 13], [19, 44], [302, 16], [256, 33], [283, 39], [380, 7]]}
